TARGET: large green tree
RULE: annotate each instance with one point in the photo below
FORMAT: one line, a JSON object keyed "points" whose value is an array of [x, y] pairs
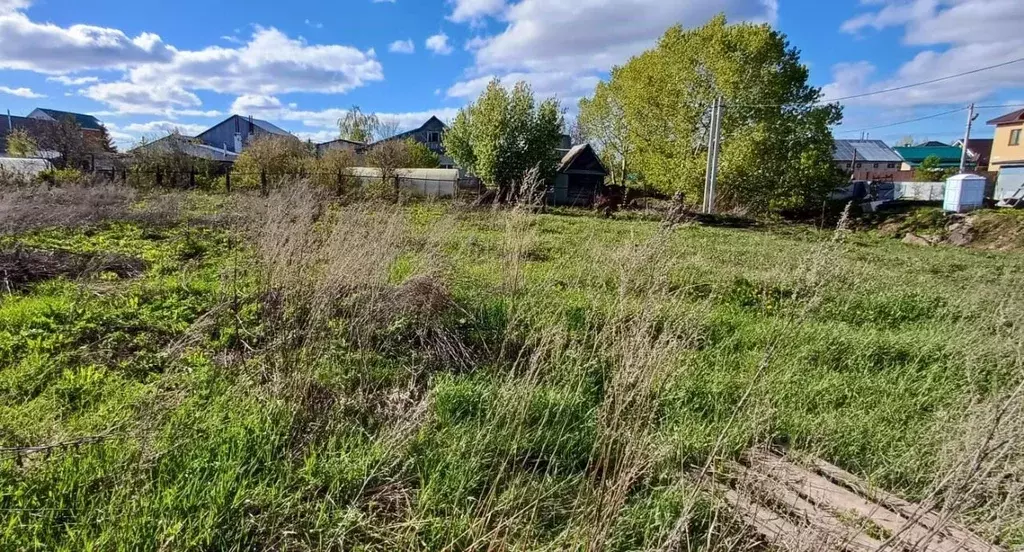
{"points": [[504, 134], [602, 122], [777, 143]]}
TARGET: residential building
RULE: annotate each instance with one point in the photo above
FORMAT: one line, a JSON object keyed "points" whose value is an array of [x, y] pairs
{"points": [[92, 128], [176, 143], [350, 146], [949, 156], [867, 159], [579, 178], [979, 150], [232, 134], [430, 134], [1007, 144], [87, 122]]}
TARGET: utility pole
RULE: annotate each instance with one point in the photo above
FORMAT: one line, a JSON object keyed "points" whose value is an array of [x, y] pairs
{"points": [[967, 138], [714, 149]]}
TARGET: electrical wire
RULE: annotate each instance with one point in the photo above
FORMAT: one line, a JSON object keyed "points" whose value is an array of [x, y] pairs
{"points": [[926, 117], [932, 81]]}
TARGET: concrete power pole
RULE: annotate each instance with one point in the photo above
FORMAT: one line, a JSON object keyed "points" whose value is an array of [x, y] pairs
{"points": [[714, 149], [967, 138]]}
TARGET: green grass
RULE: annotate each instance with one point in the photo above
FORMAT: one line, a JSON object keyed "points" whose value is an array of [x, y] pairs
{"points": [[218, 435]]}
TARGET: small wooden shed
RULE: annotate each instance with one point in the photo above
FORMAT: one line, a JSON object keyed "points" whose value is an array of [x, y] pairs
{"points": [[579, 179]]}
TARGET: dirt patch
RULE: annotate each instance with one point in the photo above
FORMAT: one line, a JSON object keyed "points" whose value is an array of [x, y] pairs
{"points": [[1001, 229], [20, 268]]}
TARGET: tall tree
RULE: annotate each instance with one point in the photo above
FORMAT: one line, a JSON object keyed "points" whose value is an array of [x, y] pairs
{"points": [[777, 144], [106, 143], [358, 126], [505, 134], [602, 122]]}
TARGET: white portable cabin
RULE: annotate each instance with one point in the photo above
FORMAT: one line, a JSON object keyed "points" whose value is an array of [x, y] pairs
{"points": [[964, 192], [420, 182]]}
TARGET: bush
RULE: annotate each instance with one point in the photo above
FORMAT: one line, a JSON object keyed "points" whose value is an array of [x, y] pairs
{"points": [[275, 156], [60, 176]]}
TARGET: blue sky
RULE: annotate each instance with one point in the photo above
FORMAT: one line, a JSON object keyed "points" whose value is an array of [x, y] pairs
{"points": [[301, 63]]}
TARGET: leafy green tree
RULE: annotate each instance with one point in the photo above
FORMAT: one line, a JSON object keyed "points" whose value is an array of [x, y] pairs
{"points": [[505, 134], [930, 170], [777, 143], [420, 156], [21, 144], [358, 126], [601, 122]]}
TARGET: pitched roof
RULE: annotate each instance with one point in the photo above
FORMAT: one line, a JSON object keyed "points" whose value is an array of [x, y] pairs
{"points": [[575, 153], [980, 147], [259, 123], [1014, 117], [868, 151], [87, 122], [270, 127], [403, 135], [189, 146], [950, 155]]}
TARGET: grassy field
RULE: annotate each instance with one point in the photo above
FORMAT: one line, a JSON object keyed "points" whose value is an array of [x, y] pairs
{"points": [[289, 374]]}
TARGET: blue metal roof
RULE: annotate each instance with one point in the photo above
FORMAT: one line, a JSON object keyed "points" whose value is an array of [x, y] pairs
{"points": [[270, 127], [87, 122], [868, 151]]}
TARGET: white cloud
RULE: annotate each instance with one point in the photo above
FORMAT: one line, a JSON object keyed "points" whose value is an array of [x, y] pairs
{"points": [[73, 81], [383, 1], [269, 63], [128, 97], [48, 48], [468, 11], [439, 44], [566, 85], [161, 79], [597, 34], [314, 24], [21, 92], [402, 47], [163, 127], [8, 6], [973, 33]]}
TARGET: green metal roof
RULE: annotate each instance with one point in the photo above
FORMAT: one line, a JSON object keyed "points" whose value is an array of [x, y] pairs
{"points": [[950, 155]]}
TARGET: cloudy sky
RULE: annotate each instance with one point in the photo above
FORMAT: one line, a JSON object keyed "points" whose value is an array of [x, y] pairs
{"points": [[187, 64]]}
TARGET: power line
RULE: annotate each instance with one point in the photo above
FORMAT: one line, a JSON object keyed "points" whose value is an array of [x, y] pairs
{"points": [[926, 117], [923, 83]]}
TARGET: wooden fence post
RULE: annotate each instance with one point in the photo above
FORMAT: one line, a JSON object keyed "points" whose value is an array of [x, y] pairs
{"points": [[263, 182], [227, 181], [192, 179]]}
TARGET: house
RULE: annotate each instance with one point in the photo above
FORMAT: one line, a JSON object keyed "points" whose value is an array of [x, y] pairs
{"points": [[176, 143], [867, 159], [87, 122], [579, 178], [979, 150], [1007, 144], [949, 156], [342, 144], [233, 133], [429, 134]]}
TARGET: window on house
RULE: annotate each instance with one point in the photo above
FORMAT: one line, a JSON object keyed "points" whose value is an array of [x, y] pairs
{"points": [[849, 165], [434, 137], [891, 166], [876, 165], [1015, 137], [858, 165]]}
